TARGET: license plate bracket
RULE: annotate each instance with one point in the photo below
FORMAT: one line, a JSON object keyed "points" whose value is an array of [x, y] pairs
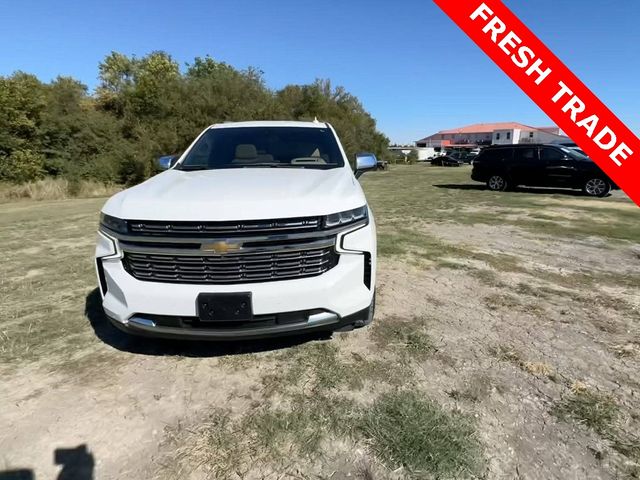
{"points": [[224, 307]]}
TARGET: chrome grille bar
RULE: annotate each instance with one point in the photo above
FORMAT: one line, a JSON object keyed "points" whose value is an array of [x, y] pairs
{"points": [[152, 227], [245, 250], [245, 236], [231, 268]]}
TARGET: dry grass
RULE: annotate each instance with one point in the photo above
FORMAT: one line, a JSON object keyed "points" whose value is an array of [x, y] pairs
{"points": [[381, 394], [475, 389], [602, 414], [407, 430], [405, 337], [595, 410], [506, 353], [538, 369], [55, 189]]}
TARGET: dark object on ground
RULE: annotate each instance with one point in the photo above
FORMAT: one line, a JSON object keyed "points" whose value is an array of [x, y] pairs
{"points": [[446, 161]]}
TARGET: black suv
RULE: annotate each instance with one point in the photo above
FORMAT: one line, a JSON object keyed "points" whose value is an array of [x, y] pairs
{"points": [[507, 166]]}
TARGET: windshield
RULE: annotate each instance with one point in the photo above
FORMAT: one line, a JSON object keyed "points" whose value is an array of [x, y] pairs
{"points": [[268, 147]]}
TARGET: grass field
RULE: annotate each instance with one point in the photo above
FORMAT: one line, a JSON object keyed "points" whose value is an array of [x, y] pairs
{"points": [[506, 344]]}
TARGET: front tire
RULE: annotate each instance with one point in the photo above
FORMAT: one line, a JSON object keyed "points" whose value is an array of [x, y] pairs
{"points": [[596, 187], [497, 183]]}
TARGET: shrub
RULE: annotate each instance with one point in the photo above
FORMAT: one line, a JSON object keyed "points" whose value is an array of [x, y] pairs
{"points": [[132, 171], [55, 189], [22, 166]]}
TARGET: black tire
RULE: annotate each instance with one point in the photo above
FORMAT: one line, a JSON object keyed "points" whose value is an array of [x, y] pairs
{"points": [[497, 183], [596, 187]]}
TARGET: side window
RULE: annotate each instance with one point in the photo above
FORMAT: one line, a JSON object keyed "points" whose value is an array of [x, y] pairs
{"points": [[495, 155], [508, 135], [530, 134], [551, 154], [526, 155], [498, 136]]}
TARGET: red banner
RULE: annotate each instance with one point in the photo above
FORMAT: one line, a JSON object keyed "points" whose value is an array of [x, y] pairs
{"points": [[552, 86]]}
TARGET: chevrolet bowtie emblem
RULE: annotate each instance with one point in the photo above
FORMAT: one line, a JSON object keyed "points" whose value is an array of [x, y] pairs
{"points": [[221, 247]]}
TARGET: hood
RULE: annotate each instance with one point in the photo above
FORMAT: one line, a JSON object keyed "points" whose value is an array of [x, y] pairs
{"points": [[238, 194]]}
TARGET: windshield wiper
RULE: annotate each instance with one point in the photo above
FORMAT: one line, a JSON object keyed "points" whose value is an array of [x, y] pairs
{"points": [[250, 165], [290, 165], [264, 165], [191, 168]]}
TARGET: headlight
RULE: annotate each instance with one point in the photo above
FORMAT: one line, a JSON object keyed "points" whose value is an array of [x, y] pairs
{"points": [[113, 223], [346, 218]]}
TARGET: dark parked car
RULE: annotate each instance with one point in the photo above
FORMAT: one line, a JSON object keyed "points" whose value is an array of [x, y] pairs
{"points": [[469, 158], [450, 160], [507, 166]]}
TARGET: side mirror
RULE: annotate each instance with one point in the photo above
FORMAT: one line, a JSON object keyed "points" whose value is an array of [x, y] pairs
{"points": [[167, 161], [365, 162]]}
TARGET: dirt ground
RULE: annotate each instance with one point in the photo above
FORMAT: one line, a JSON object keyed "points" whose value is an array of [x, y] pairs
{"points": [[515, 316]]}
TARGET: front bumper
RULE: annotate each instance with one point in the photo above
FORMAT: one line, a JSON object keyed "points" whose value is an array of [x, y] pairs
{"points": [[334, 299], [183, 328]]}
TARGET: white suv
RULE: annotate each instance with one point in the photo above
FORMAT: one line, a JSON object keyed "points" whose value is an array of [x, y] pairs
{"points": [[258, 229]]}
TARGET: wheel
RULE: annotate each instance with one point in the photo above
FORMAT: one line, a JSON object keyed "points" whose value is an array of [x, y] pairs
{"points": [[497, 183], [596, 187]]}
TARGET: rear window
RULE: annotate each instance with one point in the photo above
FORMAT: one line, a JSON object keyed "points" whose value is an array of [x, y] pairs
{"points": [[244, 147]]}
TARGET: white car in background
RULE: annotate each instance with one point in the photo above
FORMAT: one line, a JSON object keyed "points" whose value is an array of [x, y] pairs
{"points": [[258, 229]]}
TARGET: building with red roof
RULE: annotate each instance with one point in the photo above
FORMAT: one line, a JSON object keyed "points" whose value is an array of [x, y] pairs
{"points": [[492, 133]]}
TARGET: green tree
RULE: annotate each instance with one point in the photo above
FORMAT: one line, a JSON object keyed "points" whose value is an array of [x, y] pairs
{"points": [[354, 125], [21, 166], [144, 107], [22, 101]]}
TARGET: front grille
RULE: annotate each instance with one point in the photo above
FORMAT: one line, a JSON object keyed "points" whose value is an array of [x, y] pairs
{"points": [[230, 268], [244, 227]]}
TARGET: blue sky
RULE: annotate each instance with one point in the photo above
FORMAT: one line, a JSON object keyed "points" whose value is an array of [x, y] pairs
{"points": [[413, 69]]}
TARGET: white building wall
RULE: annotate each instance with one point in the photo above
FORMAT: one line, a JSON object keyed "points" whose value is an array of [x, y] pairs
{"points": [[538, 136], [505, 137], [516, 136]]}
